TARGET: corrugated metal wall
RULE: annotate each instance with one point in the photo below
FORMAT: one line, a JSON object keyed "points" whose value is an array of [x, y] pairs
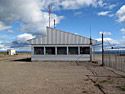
{"points": [[55, 36]]}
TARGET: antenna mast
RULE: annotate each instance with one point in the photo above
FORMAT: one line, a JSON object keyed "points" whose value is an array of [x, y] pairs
{"points": [[54, 24], [90, 46], [49, 15], [90, 36]]}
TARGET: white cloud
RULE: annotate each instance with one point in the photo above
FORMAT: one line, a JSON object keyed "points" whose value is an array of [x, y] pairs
{"points": [[121, 14], [11, 31], [111, 6], [123, 30], [109, 42], [33, 13], [101, 3], [111, 15], [105, 33], [71, 4], [24, 37], [76, 4], [103, 13], [4, 27], [29, 12], [78, 13], [19, 43], [1, 46], [123, 37]]}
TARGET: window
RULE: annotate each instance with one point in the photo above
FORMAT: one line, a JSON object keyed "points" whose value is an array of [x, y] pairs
{"points": [[84, 50], [61, 50], [50, 50], [73, 50], [39, 50]]}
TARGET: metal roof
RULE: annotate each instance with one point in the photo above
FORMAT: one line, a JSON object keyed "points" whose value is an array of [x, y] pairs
{"points": [[58, 37]]}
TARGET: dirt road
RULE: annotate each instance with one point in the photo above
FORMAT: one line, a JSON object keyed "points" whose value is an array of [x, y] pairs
{"points": [[21, 76]]}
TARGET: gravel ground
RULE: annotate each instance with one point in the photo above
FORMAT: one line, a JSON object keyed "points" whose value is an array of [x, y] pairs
{"points": [[20, 76]]}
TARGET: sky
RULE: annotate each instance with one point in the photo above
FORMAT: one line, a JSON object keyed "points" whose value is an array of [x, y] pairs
{"points": [[21, 20]]}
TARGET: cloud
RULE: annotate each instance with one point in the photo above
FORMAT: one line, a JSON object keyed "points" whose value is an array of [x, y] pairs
{"points": [[33, 14], [103, 13], [3, 37], [76, 4], [111, 6], [4, 27], [19, 43], [29, 12], [123, 37], [109, 42], [23, 38], [78, 13], [123, 30], [101, 3], [111, 15], [121, 14], [71, 4], [11, 31], [105, 33]]}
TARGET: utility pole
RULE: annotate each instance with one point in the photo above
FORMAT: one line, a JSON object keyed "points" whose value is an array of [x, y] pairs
{"points": [[90, 49], [90, 46], [102, 51]]}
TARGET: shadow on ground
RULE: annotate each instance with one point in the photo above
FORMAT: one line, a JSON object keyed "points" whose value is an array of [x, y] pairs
{"points": [[24, 59]]}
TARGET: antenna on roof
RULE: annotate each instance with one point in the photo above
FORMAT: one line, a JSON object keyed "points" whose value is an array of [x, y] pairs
{"points": [[90, 31], [54, 24], [49, 15], [90, 37], [54, 21], [90, 46]]}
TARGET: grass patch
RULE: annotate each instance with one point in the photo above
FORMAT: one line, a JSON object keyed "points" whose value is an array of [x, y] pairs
{"points": [[111, 81], [121, 88], [98, 85], [103, 81]]}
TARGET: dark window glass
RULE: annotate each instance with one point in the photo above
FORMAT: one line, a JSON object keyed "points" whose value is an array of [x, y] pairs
{"points": [[73, 50], [61, 50], [84, 50], [39, 50], [50, 50]]}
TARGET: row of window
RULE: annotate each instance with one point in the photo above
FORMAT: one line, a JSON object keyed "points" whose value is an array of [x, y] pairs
{"points": [[61, 50]]}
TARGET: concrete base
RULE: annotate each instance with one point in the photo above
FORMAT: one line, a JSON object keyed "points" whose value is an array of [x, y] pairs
{"points": [[61, 58]]}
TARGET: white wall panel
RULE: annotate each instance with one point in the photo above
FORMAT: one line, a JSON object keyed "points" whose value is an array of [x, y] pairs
{"points": [[55, 36]]}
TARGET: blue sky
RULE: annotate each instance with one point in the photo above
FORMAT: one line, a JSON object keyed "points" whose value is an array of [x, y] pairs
{"points": [[21, 20]]}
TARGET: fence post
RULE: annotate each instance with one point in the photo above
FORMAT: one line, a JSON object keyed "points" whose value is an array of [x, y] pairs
{"points": [[102, 52], [90, 49]]}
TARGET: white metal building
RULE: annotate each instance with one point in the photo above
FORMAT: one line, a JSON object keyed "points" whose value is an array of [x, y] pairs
{"points": [[59, 45]]}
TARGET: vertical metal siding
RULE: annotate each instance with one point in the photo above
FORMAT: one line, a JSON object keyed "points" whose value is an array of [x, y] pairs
{"points": [[55, 36]]}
